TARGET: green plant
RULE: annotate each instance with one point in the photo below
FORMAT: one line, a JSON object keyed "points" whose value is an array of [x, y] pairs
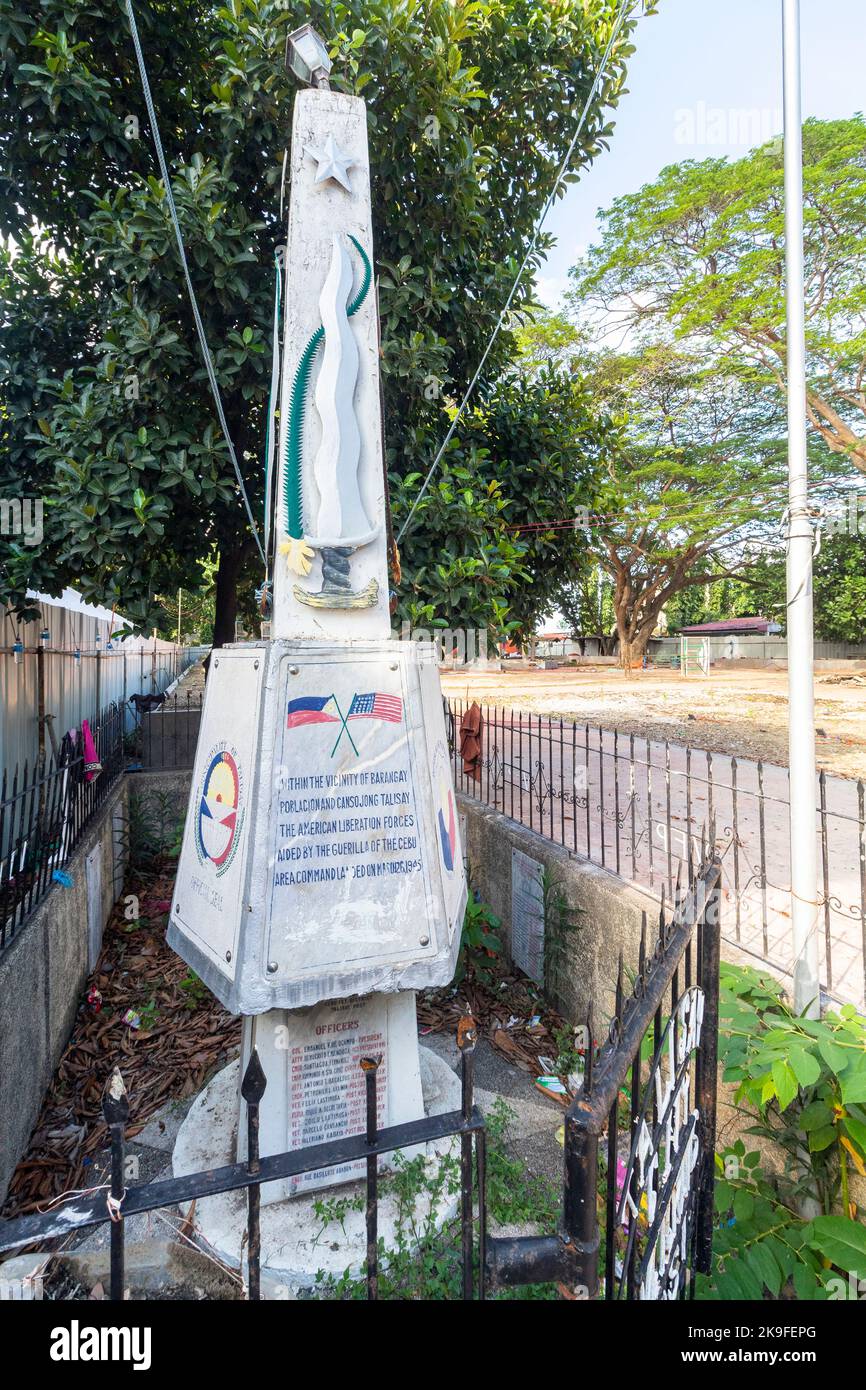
{"points": [[334, 1210], [174, 849], [424, 1260], [513, 1194], [805, 1078], [479, 941], [132, 744], [804, 1084], [762, 1246], [195, 990], [155, 830], [561, 923], [148, 1013], [570, 1052]]}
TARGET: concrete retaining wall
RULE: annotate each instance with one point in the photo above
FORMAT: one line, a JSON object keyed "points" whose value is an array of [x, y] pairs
{"points": [[609, 915], [43, 971], [157, 810]]}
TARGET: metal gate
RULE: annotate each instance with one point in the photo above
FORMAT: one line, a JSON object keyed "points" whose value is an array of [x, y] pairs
{"points": [[639, 1142]]}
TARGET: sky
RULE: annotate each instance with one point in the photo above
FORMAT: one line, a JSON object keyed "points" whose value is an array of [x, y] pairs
{"points": [[706, 81]]}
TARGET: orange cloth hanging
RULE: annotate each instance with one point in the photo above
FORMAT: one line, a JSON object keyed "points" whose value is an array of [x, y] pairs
{"points": [[472, 740]]}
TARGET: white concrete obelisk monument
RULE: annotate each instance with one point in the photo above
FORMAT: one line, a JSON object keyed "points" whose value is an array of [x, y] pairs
{"points": [[321, 878]]}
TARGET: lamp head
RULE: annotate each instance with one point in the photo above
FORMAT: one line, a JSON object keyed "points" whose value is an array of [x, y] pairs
{"points": [[307, 57]]}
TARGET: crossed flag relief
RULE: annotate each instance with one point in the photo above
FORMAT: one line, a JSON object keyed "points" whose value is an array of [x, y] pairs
{"points": [[325, 709]]}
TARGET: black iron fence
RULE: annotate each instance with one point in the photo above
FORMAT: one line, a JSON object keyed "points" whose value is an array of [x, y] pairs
{"points": [[636, 806], [643, 1155], [167, 729], [658, 1121], [45, 808]]}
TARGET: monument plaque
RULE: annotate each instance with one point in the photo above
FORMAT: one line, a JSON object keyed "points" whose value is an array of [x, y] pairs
{"points": [[316, 1088], [527, 915], [331, 864]]}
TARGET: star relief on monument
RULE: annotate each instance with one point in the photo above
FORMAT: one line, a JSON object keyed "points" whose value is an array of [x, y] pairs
{"points": [[333, 163]]}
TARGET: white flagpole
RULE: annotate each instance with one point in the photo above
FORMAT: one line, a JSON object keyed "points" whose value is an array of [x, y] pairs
{"points": [[801, 701]]}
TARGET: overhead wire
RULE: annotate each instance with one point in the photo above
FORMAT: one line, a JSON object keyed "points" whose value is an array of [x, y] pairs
{"points": [[206, 353], [625, 8]]}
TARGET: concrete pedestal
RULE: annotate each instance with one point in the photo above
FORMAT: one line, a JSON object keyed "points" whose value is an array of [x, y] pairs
{"points": [[315, 1086], [295, 1246]]}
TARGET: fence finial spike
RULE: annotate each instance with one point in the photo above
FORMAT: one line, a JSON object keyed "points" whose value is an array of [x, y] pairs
{"points": [[642, 950], [590, 1053], [115, 1101], [662, 906], [619, 987], [254, 1082]]}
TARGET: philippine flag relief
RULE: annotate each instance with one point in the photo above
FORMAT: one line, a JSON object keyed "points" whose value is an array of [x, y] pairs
{"points": [[312, 709]]}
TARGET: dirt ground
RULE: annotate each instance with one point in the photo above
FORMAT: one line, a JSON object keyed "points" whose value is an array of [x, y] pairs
{"points": [[743, 712]]}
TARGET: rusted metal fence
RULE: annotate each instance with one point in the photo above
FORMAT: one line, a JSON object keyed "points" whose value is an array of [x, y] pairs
{"points": [[168, 730], [636, 806], [45, 807], [643, 1155]]}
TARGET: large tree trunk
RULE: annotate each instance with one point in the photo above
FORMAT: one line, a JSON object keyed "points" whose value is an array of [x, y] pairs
{"points": [[633, 639], [226, 614]]}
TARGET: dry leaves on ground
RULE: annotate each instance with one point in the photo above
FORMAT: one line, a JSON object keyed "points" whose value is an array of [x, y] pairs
{"points": [[185, 1035], [503, 1011]]}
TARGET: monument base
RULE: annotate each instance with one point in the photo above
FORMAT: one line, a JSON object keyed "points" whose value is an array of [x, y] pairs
{"points": [[296, 1244], [315, 1086]]}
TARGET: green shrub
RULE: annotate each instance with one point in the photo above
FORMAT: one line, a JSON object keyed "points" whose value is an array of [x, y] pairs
{"points": [[802, 1083]]}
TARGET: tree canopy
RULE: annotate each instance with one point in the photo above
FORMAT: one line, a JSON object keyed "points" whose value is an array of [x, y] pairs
{"points": [[838, 582], [700, 253], [104, 398], [696, 480]]}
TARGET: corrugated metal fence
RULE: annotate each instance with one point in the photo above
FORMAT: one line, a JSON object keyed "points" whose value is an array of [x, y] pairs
{"points": [[67, 667]]}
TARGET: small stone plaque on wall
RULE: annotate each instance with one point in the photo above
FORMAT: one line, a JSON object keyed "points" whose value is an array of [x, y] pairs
{"points": [[527, 915]]}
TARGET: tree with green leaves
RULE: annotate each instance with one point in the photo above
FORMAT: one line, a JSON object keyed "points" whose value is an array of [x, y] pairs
{"points": [[838, 582], [586, 604], [529, 457], [696, 483], [700, 252], [104, 402]]}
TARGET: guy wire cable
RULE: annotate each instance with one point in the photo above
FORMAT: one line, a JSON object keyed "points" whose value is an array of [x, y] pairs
{"points": [[625, 8], [208, 361]]}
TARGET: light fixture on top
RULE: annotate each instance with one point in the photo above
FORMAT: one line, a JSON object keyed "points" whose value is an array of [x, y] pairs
{"points": [[307, 56]]}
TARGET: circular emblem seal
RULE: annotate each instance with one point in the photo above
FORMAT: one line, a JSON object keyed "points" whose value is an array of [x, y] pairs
{"points": [[220, 813]]}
